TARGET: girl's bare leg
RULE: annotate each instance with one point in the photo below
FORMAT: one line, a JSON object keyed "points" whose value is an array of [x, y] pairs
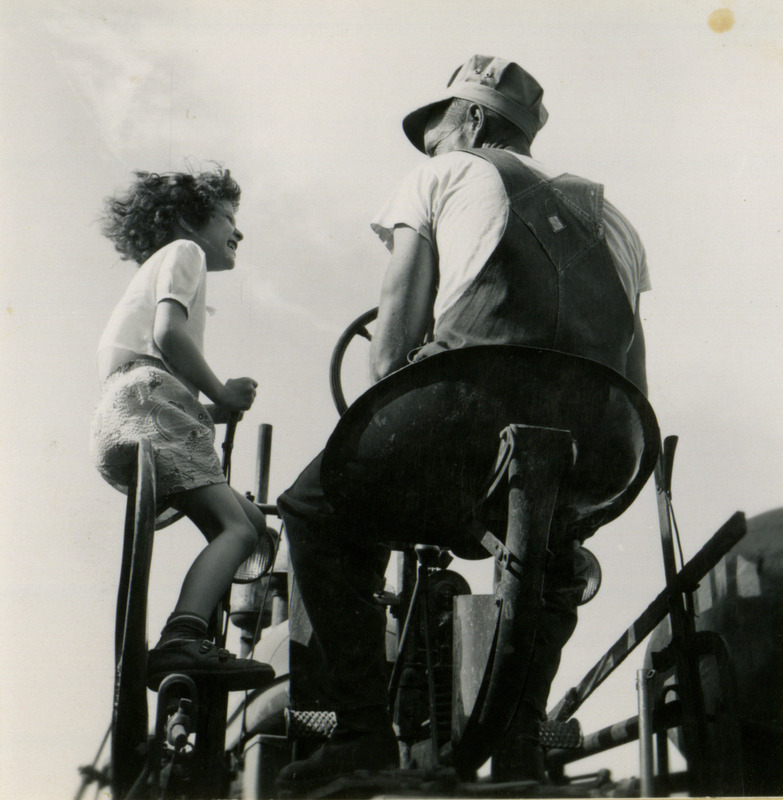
{"points": [[231, 523]]}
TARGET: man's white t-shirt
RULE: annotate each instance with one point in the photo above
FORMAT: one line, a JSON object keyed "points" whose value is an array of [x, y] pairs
{"points": [[178, 272], [438, 200]]}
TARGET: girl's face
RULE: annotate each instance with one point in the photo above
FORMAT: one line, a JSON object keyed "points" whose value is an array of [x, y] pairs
{"points": [[219, 237]]}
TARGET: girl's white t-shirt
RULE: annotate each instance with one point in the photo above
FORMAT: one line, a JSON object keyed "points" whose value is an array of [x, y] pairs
{"points": [[178, 272], [438, 200]]}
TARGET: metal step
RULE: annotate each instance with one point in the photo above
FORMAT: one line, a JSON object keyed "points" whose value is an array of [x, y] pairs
{"points": [[560, 735], [309, 724]]}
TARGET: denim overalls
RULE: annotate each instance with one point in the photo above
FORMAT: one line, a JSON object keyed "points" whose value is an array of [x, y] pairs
{"points": [[551, 281]]}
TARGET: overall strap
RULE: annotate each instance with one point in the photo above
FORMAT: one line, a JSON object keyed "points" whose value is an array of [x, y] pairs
{"points": [[583, 197], [517, 177]]}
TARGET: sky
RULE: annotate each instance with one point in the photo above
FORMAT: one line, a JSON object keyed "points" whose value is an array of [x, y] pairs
{"points": [[676, 109]]}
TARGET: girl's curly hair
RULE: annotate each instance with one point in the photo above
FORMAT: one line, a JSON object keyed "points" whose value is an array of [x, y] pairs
{"points": [[143, 219]]}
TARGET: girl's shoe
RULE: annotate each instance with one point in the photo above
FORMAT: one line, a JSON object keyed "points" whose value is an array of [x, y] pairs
{"points": [[204, 660]]}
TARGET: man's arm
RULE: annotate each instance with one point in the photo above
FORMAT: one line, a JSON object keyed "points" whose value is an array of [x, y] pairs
{"points": [[405, 308], [636, 360]]}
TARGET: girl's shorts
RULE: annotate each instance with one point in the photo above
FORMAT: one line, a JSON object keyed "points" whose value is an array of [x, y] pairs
{"points": [[142, 399]]}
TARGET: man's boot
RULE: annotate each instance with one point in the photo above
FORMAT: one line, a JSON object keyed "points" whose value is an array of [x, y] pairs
{"points": [[520, 756], [363, 739]]}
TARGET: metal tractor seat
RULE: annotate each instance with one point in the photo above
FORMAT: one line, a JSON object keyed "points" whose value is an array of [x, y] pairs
{"points": [[500, 449]]}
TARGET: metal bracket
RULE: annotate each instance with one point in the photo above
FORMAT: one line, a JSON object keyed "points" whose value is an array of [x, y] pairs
{"points": [[505, 559]]}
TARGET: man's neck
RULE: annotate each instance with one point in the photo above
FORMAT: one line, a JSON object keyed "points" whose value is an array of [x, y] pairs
{"points": [[522, 151]]}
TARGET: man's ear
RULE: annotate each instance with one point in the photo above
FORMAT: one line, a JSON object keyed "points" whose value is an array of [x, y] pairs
{"points": [[477, 121]]}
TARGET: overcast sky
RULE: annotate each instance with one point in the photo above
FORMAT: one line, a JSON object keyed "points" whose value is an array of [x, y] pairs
{"points": [[681, 120]]}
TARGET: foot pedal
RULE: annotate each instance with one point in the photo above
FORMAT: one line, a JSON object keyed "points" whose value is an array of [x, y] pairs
{"points": [[560, 735], [177, 703], [309, 724]]}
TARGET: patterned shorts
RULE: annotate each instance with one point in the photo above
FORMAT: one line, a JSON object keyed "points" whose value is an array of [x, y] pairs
{"points": [[143, 400]]}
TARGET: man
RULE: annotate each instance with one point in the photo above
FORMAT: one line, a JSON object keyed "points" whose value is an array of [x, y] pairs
{"points": [[488, 246]]}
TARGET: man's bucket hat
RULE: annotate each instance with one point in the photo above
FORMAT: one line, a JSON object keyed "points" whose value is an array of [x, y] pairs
{"points": [[497, 84]]}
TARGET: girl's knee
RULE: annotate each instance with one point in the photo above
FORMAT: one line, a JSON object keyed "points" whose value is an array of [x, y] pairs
{"points": [[259, 524], [248, 538]]}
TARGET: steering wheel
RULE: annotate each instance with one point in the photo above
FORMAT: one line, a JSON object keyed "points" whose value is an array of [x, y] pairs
{"points": [[357, 328]]}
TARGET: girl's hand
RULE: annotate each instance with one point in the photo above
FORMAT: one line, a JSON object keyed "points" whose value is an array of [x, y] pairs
{"points": [[221, 415], [238, 394]]}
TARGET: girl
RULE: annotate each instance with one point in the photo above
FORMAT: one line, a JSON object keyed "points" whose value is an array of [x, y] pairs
{"points": [[177, 227]]}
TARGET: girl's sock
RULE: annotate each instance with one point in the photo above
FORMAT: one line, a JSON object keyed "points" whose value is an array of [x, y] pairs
{"points": [[182, 626]]}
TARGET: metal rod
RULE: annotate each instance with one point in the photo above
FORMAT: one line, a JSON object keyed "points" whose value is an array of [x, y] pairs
{"points": [[228, 445], [263, 462], [394, 680], [694, 727], [425, 617], [646, 761], [662, 757]]}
